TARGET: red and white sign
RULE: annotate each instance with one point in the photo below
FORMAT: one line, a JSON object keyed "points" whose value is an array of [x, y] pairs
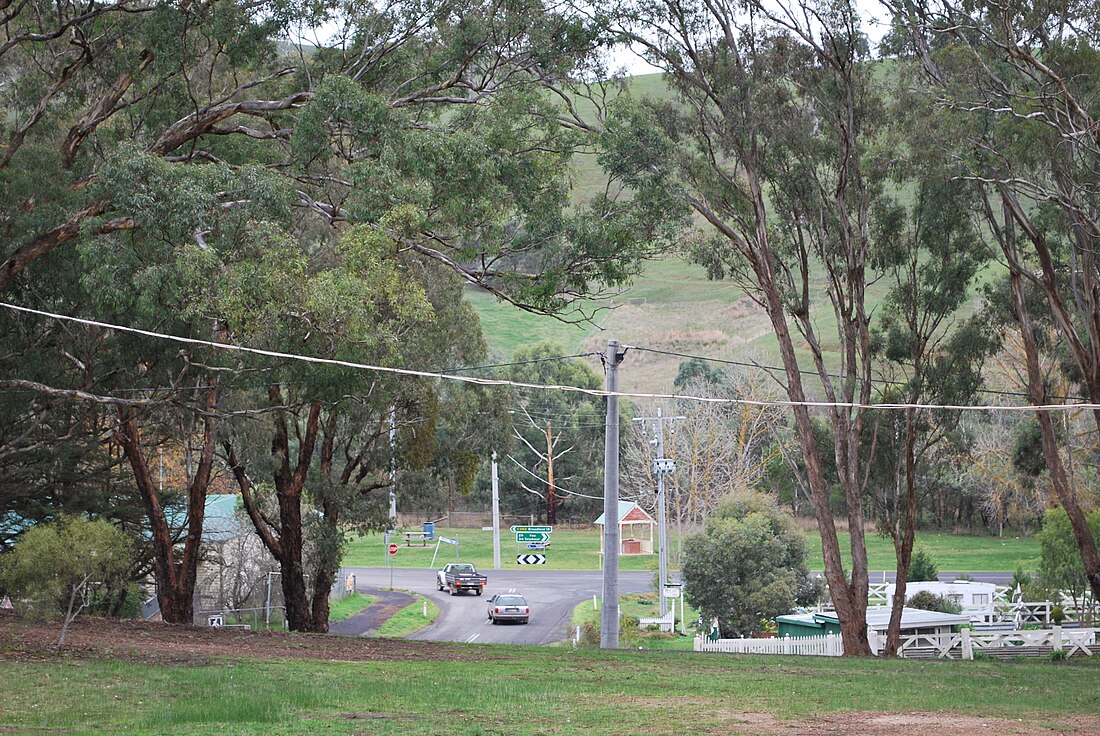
{"points": [[392, 549]]}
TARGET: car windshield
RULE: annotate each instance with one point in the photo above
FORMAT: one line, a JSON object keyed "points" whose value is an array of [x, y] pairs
{"points": [[511, 600], [462, 568]]}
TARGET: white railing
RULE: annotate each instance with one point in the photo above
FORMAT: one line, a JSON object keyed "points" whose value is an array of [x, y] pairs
{"points": [[664, 623], [829, 645], [966, 642]]}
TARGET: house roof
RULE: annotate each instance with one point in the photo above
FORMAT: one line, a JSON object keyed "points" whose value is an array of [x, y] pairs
{"points": [[629, 512], [219, 520], [878, 618]]}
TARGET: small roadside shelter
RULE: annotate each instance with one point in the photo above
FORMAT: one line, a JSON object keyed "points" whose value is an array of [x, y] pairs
{"points": [[635, 529]]}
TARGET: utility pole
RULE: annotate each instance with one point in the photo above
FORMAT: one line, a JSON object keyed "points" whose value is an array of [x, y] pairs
{"points": [[496, 516], [551, 511], [393, 466], [609, 613], [662, 466]]}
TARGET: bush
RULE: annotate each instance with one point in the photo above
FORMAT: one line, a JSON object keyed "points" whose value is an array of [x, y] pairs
{"points": [[926, 600], [55, 560], [749, 564], [922, 567]]}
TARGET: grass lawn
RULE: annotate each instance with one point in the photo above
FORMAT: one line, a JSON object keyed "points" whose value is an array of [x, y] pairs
{"points": [[951, 552], [511, 690], [409, 619], [641, 605], [579, 550], [348, 607], [569, 550]]}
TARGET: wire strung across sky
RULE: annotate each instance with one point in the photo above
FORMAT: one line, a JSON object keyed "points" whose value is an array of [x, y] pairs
{"points": [[543, 387], [559, 489], [781, 369]]}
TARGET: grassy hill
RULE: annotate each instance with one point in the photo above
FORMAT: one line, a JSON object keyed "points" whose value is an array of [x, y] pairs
{"points": [[670, 306]]}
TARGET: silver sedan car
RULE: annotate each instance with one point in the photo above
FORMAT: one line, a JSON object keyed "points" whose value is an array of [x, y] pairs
{"points": [[509, 607]]}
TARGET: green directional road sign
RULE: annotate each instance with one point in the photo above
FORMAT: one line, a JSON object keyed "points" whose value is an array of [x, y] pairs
{"points": [[532, 537], [543, 529]]}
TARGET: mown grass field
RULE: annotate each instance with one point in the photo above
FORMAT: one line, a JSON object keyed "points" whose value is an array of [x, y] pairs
{"points": [[508, 690], [579, 550]]}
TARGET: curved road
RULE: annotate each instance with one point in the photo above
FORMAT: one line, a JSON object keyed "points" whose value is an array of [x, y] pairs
{"points": [[552, 595]]}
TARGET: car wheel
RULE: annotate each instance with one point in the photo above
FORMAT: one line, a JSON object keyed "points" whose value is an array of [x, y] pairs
{"points": [[478, 592], [525, 620]]}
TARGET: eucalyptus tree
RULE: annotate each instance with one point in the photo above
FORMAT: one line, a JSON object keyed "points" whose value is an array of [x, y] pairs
{"points": [[930, 254], [174, 166], [556, 460], [330, 457], [1020, 83], [769, 144]]}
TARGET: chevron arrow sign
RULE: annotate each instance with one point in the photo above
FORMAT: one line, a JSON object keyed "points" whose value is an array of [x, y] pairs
{"points": [[530, 559]]}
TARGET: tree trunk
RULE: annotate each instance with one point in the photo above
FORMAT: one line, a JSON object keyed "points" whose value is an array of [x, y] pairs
{"points": [[1037, 394], [175, 574], [850, 601], [903, 546]]}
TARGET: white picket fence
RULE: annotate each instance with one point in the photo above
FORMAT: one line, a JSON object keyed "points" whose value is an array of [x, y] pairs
{"points": [[829, 645], [1074, 642], [966, 642], [664, 623]]}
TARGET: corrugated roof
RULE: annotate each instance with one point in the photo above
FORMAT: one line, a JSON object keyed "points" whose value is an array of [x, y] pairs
{"points": [[878, 617], [625, 507]]}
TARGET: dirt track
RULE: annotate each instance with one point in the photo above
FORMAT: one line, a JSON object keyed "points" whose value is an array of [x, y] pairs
{"points": [[157, 642]]}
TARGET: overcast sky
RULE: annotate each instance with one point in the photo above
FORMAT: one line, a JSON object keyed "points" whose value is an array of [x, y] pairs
{"points": [[871, 12]]}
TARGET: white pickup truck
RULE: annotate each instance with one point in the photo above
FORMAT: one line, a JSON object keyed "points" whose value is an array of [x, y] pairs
{"points": [[457, 577]]}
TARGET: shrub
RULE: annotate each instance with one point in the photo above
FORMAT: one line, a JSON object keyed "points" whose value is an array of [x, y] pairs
{"points": [[922, 567], [926, 600], [55, 561]]}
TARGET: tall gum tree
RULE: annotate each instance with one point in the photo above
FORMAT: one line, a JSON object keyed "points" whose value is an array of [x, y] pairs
{"points": [[768, 145], [1020, 82]]}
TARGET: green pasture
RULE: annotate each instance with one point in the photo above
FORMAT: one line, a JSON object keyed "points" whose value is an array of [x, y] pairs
{"points": [[951, 552], [511, 690], [573, 549], [569, 550]]}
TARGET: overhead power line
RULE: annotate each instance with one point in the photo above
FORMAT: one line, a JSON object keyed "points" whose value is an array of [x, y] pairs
{"points": [[557, 488], [781, 369], [550, 359], [544, 387]]}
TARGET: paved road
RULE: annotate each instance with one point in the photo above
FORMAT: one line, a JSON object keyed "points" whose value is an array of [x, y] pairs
{"points": [[552, 595], [387, 603]]}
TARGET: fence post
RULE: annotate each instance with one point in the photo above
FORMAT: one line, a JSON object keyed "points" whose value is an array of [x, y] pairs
{"points": [[787, 644], [872, 641], [1056, 638], [967, 645]]}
